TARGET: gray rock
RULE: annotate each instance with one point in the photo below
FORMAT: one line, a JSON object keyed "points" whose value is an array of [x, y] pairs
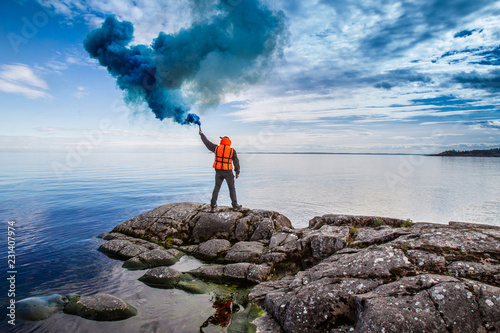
{"points": [[279, 238], [213, 273], [267, 324], [245, 252], [183, 223], [264, 230], [259, 225], [322, 305], [161, 277], [351, 220], [377, 261], [215, 225], [153, 258], [285, 246], [475, 270], [163, 223], [454, 242], [100, 307], [399, 314], [233, 273], [259, 294], [379, 282], [423, 302], [189, 248], [281, 222], [457, 306], [326, 241], [39, 307], [259, 273], [237, 272], [273, 257], [427, 260], [488, 298], [379, 235], [213, 248], [121, 249]]}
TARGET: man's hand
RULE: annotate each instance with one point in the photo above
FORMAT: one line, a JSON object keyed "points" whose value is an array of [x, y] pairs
{"points": [[237, 175], [201, 132]]}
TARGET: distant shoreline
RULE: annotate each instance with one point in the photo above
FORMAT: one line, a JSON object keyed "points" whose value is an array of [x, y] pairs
{"points": [[495, 152]]}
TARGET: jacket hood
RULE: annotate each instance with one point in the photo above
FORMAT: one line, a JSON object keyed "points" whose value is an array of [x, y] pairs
{"points": [[225, 141]]}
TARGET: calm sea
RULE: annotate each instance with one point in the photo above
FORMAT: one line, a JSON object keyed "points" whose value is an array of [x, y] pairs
{"points": [[59, 205]]}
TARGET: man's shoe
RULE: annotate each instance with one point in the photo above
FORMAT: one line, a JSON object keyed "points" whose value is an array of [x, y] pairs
{"points": [[213, 208], [237, 207]]}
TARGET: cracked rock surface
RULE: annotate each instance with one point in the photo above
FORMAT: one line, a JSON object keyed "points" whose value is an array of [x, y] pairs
{"points": [[343, 273]]}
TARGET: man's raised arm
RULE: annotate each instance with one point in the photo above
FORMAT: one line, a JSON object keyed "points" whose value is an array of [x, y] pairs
{"points": [[210, 146]]}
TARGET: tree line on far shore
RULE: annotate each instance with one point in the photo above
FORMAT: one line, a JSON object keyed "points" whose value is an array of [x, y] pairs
{"points": [[495, 152]]}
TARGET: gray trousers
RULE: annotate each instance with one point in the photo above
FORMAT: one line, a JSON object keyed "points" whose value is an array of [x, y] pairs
{"points": [[220, 175]]}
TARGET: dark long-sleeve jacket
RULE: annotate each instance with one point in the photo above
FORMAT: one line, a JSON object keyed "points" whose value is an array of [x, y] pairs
{"points": [[211, 146]]}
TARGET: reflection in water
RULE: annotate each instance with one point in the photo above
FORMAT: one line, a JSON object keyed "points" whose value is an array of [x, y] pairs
{"points": [[224, 307]]}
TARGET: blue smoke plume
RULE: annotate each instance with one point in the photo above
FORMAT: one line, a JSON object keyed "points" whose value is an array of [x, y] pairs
{"points": [[233, 47]]}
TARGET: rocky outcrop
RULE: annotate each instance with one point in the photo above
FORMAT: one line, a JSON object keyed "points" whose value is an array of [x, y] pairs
{"points": [[343, 273], [433, 278], [192, 223]]}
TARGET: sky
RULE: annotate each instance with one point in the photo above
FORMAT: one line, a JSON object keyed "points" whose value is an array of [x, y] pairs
{"points": [[371, 76]]}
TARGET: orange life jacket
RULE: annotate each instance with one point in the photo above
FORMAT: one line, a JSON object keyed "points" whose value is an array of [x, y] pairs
{"points": [[223, 158]]}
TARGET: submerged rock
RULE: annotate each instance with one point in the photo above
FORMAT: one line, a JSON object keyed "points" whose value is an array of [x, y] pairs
{"points": [[164, 277], [169, 278], [100, 307], [40, 307]]}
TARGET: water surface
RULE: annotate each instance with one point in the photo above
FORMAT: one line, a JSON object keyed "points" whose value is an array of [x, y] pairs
{"points": [[58, 215]]}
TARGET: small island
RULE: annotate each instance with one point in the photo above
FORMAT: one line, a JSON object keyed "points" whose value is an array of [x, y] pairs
{"points": [[495, 152]]}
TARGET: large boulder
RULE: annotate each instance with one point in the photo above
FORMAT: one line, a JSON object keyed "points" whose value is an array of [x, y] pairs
{"points": [[188, 222], [163, 223]]}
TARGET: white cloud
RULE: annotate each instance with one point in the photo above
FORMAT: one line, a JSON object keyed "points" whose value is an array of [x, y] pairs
{"points": [[21, 79], [148, 16], [81, 92]]}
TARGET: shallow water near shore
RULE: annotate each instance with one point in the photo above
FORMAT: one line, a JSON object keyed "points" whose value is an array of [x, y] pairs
{"points": [[58, 215]]}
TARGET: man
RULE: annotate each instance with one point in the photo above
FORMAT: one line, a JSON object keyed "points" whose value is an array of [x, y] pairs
{"points": [[225, 157]]}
